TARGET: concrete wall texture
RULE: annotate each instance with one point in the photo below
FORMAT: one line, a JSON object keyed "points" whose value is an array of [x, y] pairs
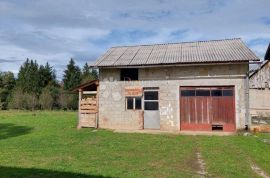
{"points": [[259, 100], [261, 79], [112, 112]]}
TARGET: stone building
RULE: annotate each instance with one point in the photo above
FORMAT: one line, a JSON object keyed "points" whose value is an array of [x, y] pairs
{"points": [[197, 86], [259, 84]]}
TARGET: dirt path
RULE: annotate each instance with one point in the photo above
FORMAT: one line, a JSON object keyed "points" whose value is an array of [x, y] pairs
{"points": [[258, 170], [255, 168], [201, 164]]}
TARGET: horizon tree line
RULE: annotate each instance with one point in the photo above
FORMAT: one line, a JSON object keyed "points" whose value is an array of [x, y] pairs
{"points": [[36, 86]]}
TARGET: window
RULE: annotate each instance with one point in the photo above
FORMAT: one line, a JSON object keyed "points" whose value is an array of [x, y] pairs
{"points": [[227, 93], [216, 93], [207, 92], [134, 103], [187, 92], [130, 103], [138, 103], [151, 100], [151, 105], [150, 95], [202, 92], [129, 74]]}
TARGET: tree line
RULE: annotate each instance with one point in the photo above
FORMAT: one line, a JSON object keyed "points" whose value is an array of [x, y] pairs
{"points": [[36, 86]]}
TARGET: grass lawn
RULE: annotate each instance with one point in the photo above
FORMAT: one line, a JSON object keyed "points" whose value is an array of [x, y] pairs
{"points": [[47, 144]]}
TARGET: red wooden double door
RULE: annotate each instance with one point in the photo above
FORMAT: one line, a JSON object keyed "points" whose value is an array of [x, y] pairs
{"points": [[207, 108]]}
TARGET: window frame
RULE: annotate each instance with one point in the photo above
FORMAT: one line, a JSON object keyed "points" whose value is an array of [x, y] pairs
{"points": [[134, 103], [214, 92], [152, 100]]}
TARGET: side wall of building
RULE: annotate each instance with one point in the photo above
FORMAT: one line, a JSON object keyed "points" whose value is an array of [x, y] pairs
{"points": [[259, 97], [259, 100], [112, 112], [261, 79]]}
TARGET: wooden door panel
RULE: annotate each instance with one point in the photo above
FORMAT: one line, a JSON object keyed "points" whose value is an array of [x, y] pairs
{"points": [[201, 112]]}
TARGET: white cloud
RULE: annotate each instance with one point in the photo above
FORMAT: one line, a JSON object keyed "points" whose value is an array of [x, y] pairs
{"points": [[54, 31]]}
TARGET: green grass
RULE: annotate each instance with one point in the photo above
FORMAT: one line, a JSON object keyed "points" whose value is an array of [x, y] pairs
{"points": [[47, 144]]}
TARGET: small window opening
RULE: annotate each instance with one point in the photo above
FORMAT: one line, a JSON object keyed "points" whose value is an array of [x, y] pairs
{"points": [[217, 127], [129, 74], [227, 92], [130, 103], [151, 100], [150, 95], [202, 92], [151, 105], [187, 92], [133, 103], [216, 92], [138, 103]]}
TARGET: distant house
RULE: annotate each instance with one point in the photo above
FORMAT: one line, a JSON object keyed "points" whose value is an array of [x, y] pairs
{"points": [[259, 84], [194, 86], [260, 79]]}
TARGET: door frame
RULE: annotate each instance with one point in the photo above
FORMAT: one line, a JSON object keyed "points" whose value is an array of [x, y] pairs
{"points": [[228, 127], [155, 89]]}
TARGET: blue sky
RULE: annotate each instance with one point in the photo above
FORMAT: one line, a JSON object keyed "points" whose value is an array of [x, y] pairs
{"points": [[55, 31]]}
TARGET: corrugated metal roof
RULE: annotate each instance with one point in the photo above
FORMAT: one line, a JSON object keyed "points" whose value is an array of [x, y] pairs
{"points": [[227, 50]]}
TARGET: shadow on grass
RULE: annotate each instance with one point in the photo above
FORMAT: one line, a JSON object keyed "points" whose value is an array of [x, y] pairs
{"points": [[8, 130], [11, 172]]}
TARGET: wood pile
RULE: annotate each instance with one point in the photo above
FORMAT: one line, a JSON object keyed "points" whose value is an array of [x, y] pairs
{"points": [[89, 106]]}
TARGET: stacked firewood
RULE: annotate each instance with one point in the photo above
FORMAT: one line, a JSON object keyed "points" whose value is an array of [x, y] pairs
{"points": [[89, 105]]}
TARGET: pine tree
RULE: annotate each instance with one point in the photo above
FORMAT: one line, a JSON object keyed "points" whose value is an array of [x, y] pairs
{"points": [[72, 76], [46, 76], [28, 77], [94, 73], [88, 74]]}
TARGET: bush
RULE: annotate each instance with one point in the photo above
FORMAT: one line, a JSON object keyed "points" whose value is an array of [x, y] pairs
{"points": [[46, 100], [20, 100], [68, 101], [17, 100]]}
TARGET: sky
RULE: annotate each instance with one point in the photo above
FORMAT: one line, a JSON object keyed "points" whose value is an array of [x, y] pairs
{"points": [[56, 30]]}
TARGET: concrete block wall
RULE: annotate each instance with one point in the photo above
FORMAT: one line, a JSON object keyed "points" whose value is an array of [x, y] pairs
{"points": [[261, 79], [112, 113], [259, 102]]}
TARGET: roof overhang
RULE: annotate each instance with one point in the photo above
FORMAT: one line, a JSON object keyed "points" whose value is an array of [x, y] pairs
{"points": [[84, 85], [181, 64]]}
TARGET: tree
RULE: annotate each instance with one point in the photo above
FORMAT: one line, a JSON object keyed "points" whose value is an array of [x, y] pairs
{"points": [[88, 73], [7, 83], [28, 77], [34, 84], [72, 76], [94, 73], [46, 76]]}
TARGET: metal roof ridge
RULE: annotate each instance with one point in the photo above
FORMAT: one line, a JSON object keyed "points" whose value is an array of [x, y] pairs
{"points": [[184, 42]]}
